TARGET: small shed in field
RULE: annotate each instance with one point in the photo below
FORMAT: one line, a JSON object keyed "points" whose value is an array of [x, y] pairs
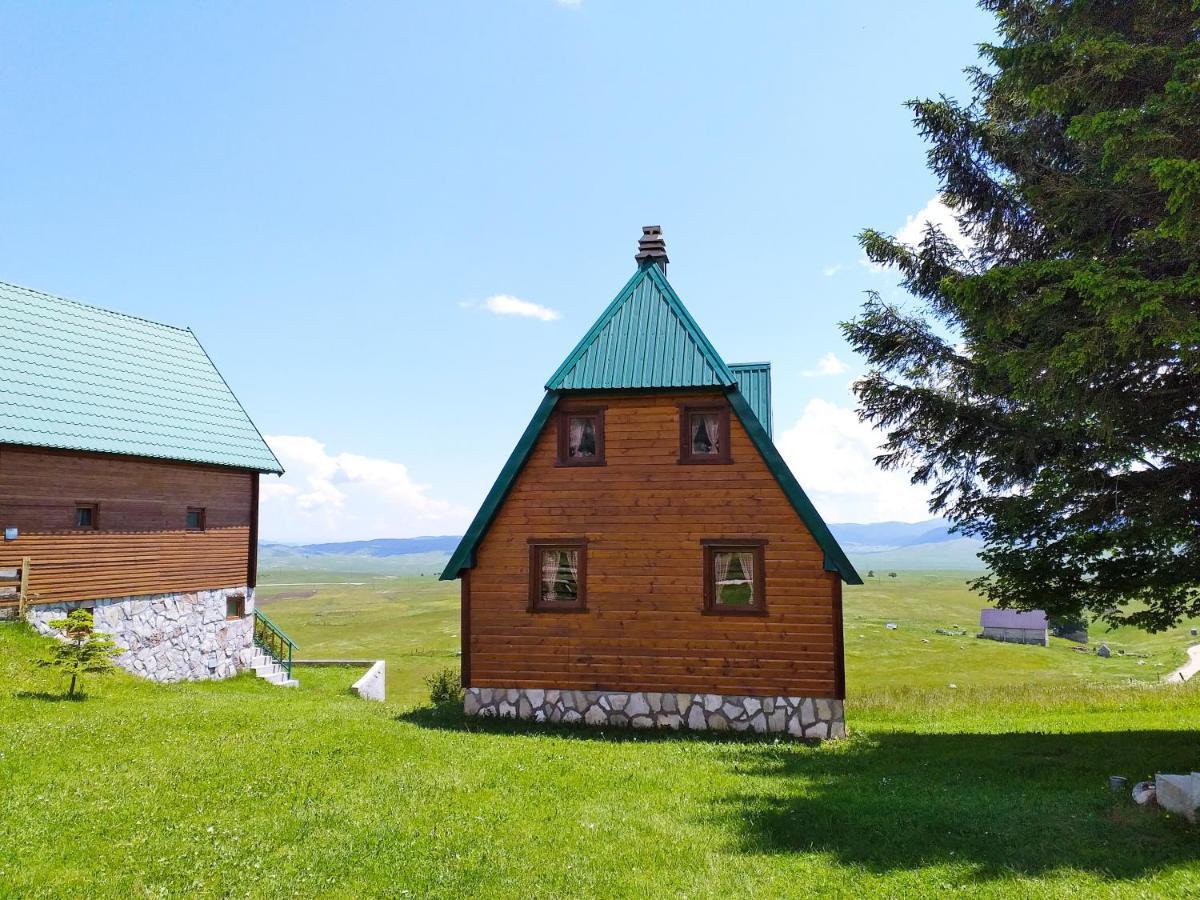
{"points": [[1014, 626]]}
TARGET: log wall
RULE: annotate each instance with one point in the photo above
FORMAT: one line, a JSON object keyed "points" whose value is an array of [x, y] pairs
{"points": [[141, 544], [644, 516]]}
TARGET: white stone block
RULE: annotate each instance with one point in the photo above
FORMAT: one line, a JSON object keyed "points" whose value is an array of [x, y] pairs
{"points": [[372, 685]]}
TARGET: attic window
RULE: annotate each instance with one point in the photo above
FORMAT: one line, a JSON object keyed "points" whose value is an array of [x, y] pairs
{"points": [[581, 437], [86, 515], [195, 518], [704, 434], [557, 575], [734, 580]]}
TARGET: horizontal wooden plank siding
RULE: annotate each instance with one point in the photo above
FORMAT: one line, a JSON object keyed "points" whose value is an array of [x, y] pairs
{"points": [[141, 545], [645, 515]]}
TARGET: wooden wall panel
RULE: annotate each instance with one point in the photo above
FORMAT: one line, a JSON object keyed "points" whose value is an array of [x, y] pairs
{"points": [[644, 516], [40, 488], [141, 545]]}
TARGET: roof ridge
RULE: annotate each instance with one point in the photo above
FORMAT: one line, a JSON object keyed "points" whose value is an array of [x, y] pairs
{"points": [[102, 309]]}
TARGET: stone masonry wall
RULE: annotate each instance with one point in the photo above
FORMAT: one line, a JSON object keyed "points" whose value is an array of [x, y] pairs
{"points": [[806, 717], [168, 637]]}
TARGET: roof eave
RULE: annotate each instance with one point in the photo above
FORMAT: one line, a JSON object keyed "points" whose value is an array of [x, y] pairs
{"points": [[463, 556], [835, 558]]}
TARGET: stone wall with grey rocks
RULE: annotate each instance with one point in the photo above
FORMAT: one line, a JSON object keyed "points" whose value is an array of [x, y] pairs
{"points": [[168, 637], [806, 717]]}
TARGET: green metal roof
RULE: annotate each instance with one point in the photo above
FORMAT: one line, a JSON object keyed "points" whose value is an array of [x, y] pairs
{"points": [[754, 381], [647, 339], [77, 377], [644, 339]]}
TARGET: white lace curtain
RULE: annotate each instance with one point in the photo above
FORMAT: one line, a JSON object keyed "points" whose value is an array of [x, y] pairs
{"points": [[555, 565], [576, 437], [725, 561], [706, 434]]}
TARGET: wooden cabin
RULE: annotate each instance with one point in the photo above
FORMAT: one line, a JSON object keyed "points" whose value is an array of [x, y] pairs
{"points": [[128, 485], [646, 557]]}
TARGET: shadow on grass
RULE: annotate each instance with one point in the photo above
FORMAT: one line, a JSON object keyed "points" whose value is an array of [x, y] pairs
{"points": [[450, 717], [50, 696], [1006, 804]]}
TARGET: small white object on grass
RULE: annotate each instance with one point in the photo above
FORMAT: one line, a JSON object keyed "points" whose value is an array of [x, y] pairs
{"points": [[953, 685], [891, 626]]}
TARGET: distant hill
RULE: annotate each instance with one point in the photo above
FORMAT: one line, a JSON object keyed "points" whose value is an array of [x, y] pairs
{"points": [[377, 547], [890, 535], [385, 556], [890, 546], [881, 546]]}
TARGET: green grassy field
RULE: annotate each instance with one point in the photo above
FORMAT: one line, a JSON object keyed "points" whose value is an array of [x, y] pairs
{"points": [[413, 623], [994, 788]]}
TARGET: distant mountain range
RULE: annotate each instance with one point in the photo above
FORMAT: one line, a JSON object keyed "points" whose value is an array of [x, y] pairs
{"points": [[877, 545], [376, 547]]}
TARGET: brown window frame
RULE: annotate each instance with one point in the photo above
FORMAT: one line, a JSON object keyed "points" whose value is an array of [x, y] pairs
{"points": [[759, 582], [536, 546], [686, 457], [203, 518], [240, 600], [564, 435], [94, 508]]}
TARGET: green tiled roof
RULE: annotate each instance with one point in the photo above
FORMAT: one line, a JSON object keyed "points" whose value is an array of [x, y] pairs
{"points": [[77, 377], [754, 381], [644, 339]]}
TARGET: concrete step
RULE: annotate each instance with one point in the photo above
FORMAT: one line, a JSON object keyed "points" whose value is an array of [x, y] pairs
{"points": [[274, 678], [265, 670], [291, 682]]}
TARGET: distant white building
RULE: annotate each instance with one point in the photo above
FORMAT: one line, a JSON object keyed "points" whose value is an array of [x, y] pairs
{"points": [[1014, 626]]}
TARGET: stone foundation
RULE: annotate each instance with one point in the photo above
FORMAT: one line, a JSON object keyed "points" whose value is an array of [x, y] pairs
{"points": [[807, 717], [168, 637]]}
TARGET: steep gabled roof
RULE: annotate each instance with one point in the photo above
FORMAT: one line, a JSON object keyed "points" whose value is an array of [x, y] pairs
{"points": [[77, 377], [646, 338]]}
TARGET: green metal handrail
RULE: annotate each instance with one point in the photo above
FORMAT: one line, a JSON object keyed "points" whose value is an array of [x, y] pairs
{"points": [[270, 638]]}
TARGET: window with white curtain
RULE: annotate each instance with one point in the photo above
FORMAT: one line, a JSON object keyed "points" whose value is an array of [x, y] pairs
{"points": [[557, 574], [733, 575], [581, 437]]}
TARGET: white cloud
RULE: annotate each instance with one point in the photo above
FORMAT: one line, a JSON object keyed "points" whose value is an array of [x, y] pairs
{"points": [[832, 455], [937, 213], [828, 364], [571, 3], [830, 271], [342, 497], [507, 305]]}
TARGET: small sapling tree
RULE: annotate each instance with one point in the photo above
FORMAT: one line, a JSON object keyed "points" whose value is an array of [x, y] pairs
{"points": [[84, 650]]}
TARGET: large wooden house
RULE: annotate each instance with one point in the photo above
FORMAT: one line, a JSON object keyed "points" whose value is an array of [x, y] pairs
{"points": [[128, 485], [646, 557]]}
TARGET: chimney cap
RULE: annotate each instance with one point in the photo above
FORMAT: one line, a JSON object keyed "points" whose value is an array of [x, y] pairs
{"points": [[652, 248]]}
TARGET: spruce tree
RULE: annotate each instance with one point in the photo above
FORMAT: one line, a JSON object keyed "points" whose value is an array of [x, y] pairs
{"points": [[1046, 381]]}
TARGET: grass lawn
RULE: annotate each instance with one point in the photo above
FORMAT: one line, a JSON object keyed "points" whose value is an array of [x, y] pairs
{"points": [[996, 787]]}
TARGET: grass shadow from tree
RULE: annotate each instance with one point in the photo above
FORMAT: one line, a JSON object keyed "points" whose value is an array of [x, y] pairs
{"points": [[1010, 804]]}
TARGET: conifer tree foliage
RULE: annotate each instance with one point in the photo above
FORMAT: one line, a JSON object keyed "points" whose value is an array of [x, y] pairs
{"points": [[84, 649], [1046, 382]]}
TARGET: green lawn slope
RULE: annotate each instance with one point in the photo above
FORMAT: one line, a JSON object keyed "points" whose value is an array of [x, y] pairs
{"points": [[994, 788]]}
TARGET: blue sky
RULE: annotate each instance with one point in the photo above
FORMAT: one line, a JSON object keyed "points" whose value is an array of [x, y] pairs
{"points": [[330, 194]]}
